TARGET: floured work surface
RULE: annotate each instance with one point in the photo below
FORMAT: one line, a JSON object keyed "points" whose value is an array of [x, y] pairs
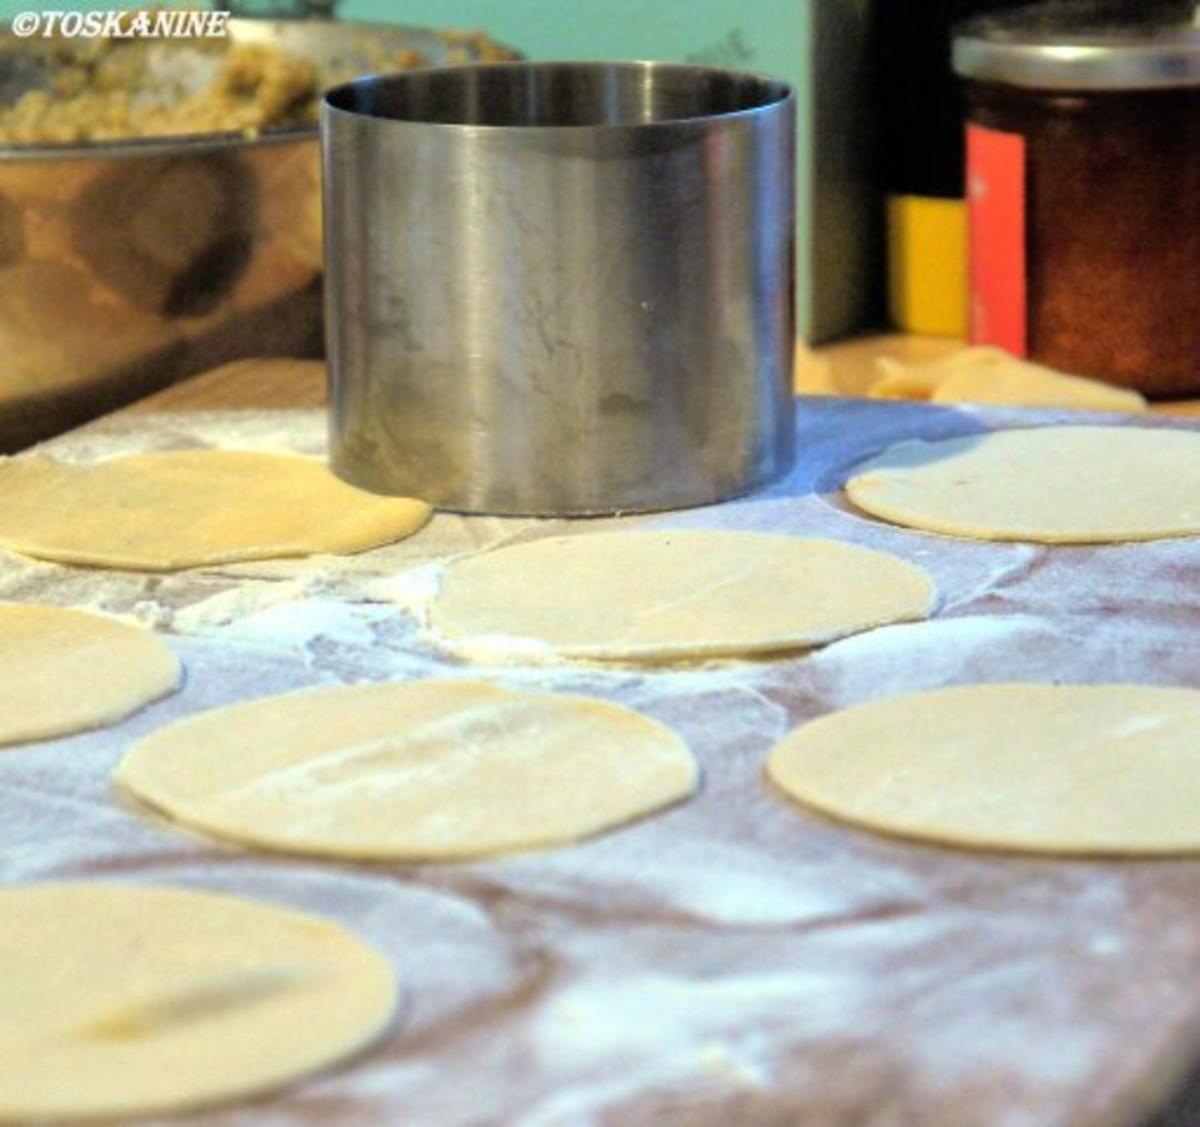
{"points": [[733, 959]]}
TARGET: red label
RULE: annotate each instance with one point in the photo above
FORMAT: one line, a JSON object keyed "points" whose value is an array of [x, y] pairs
{"points": [[996, 219]]}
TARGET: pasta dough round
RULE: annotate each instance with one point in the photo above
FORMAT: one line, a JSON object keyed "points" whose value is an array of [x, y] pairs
{"points": [[428, 770], [118, 1001], [65, 671], [1069, 484], [661, 595], [1094, 769], [983, 374], [185, 508]]}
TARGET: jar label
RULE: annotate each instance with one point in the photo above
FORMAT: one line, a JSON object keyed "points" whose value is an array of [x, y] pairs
{"points": [[996, 225]]}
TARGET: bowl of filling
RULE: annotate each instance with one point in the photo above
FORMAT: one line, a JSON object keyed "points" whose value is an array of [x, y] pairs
{"points": [[160, 203]]}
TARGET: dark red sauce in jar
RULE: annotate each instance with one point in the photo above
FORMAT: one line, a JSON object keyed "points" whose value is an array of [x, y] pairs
{"points": [[1083, 187]]}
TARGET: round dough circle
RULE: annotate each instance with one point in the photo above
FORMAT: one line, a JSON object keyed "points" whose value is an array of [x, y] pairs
{"points": [[66, 671], [155, 1000], [1092, 770], [187, 508], [663, 595], [1069, 485], [428, 770]]}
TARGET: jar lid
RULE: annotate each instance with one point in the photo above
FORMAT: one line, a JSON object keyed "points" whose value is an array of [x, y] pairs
{"points": [[1084, 45]]}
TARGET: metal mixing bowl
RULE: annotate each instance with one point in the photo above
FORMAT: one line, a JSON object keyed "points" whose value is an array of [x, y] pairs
{"points": [[125, 265]]}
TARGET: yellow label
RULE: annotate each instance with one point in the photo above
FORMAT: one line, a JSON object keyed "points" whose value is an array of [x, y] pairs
{"points": [[927, 265]]}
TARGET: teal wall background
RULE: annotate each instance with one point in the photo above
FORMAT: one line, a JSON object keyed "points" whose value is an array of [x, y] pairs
{"points": [[9, 8]]}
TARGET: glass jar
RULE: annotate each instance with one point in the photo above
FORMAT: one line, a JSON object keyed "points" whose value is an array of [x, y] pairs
{"points": [[1083, 187]]}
